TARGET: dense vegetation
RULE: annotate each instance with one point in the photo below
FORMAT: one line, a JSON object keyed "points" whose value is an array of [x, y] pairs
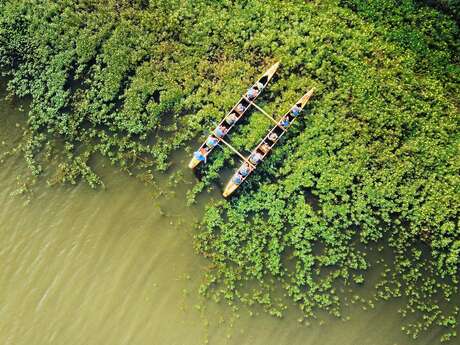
{"points": [[373, 166]]}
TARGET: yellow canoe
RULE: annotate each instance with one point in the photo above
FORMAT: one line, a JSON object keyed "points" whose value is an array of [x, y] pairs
{"points": [[264, 80], [267, 143]]}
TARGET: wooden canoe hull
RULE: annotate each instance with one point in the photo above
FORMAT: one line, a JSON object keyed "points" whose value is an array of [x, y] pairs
{"points": [[266, 77], [231, 186]]}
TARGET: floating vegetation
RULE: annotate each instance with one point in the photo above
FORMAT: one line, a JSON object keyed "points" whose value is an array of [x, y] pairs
{"points": [[373, 163]]}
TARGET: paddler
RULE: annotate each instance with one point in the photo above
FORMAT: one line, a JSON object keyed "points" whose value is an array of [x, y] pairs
{"points": [[220, 131], [240, 108], [295, 111], [245, 170], [231, 118], [273, 136], [254, 91], [264, 148], [237, 179], [201, 154], [211, 142], [284, 122]]}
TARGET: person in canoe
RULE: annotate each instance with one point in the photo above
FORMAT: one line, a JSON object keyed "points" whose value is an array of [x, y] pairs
{"points": [[237, 179], [220, 131], [264, 148], [254, 91], [255, 158], [201, 154], [231, 118], [295, 111], [273, 136], [211, 142], [244, 170], [240, 108], [284, 122]]}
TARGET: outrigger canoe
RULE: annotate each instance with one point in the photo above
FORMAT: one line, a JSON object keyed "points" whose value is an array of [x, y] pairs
{"points": [[266, 145], [237, 113]]}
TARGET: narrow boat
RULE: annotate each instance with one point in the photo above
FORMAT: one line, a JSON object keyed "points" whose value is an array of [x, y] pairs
{"points": [[232, 117], [266, 145]]}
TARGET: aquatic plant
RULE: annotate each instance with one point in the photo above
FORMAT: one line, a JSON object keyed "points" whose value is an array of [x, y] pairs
{"points": [[373, 163]]}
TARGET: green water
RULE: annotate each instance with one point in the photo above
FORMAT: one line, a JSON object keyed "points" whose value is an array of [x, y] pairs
{"points": [[115, 266]]}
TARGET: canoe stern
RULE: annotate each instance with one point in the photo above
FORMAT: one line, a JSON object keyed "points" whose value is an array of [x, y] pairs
{"points": [[229, 189], [193, 163]]}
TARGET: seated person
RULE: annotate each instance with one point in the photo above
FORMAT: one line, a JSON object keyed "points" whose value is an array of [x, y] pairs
{"points": [[231, 118], [211, 141], [240, 108], [255, 158], [237, 179], [284, 122], [252, 93], [244, 170], [273, 136], [264, 147], [295, 111], [220, 131], [201, 154]]}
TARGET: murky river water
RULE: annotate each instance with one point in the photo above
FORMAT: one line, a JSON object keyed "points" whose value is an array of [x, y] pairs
{"points": [[114, 266]]}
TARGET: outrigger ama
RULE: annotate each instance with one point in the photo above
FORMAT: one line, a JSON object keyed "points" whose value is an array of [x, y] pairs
{"points": [[266, 145], [232, 117]]}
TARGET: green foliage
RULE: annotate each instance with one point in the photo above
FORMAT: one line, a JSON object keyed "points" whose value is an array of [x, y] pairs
{"points": [[373, 161]]}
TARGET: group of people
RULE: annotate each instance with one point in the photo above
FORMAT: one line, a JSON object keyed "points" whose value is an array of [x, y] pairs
{"points": [[246, 169], [256, 157], [221, 130]]}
